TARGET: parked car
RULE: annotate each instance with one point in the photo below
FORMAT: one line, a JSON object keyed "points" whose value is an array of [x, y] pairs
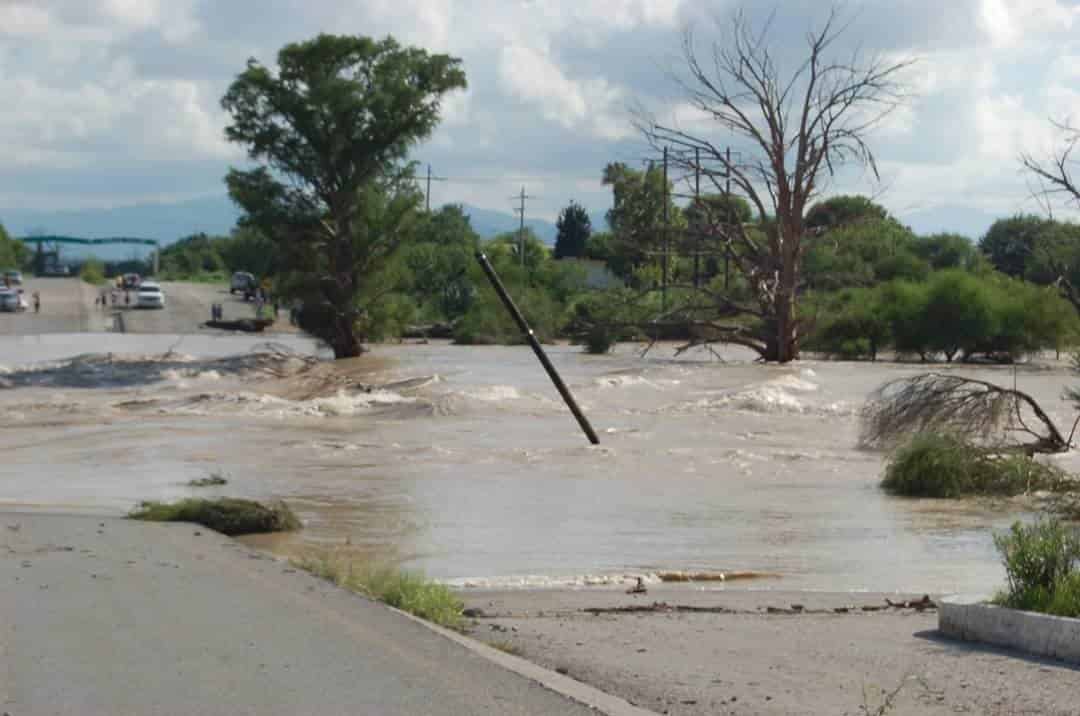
{"points": [[149, 295], [243, 282], [12, 301], [130, 281], [13, 278]]}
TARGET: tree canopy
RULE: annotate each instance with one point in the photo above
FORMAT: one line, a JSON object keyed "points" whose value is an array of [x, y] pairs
{"points": [[574, 228], [331, 128]]}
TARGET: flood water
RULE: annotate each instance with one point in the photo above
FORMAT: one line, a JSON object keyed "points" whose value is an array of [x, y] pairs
{"points": [[464, 463]]}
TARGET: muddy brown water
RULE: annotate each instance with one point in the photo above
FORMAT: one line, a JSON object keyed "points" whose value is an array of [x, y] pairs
{"points": [[463, 463]]}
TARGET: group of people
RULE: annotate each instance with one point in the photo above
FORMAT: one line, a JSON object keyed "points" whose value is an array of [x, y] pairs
{"points": [[112, 295]]}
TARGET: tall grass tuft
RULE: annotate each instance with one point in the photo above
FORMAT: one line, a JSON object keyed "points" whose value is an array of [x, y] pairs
{"points": [[408, 591], [228, 515], [1042, 563], [943, 465]]}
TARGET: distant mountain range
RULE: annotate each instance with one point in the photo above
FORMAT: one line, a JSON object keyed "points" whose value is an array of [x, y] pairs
{"points": [[218, 215]]}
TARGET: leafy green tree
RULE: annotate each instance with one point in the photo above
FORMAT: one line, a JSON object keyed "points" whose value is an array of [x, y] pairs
{"points": [[439, 262], [862, 253], [853, 324], [844, 210], [959, 312], [508, 245], [574, 227], [1010, 243], [947, 251], [13, 253], [248, 249], [709, 220], [331, 128], [636, 217], [192, 256]]}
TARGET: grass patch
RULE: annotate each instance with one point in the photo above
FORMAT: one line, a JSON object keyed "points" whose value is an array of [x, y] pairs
{"points": [[1042, 564], [228, 515], [941, 465], [214, 479], [408, 591]]}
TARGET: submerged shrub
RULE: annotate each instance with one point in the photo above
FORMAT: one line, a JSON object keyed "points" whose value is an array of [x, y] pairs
{"points": [[228, 515], [1042, 565], [599, 340], [408, 591], [943, 465]]}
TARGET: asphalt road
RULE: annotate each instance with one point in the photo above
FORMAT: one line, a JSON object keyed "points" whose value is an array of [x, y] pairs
{"points": [[68, 306], [109, 616]]}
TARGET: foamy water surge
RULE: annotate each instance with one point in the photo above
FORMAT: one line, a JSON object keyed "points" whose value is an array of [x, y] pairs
{"points": [[788, 394]]}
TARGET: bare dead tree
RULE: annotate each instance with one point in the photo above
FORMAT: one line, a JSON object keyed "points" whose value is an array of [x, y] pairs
{"points": [[1054, 172], [1004, 418], [802, 128]]}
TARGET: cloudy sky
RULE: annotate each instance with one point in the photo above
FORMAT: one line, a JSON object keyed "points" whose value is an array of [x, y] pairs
{"points": [[115, 102]]}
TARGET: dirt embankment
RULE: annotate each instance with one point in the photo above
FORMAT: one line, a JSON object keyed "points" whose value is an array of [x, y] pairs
{"points": [[767, 652]]}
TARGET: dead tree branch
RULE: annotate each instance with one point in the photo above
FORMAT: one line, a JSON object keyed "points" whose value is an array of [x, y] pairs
{"points": [[974, 409]]}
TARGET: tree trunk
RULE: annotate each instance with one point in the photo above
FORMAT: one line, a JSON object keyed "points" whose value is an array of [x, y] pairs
{"points": [[346, 343]]}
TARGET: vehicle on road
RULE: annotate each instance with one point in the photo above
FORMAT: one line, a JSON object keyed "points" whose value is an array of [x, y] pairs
{"points": [[243, 282], [13, 278], [130, 281], [149, 295], [12, 301]]}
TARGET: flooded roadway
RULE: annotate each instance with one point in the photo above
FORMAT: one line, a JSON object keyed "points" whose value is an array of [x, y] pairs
{"points": [[463, 462]]}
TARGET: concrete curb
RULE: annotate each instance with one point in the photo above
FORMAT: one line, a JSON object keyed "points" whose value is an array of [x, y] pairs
{"points": [[591, 697], [971, 618]]}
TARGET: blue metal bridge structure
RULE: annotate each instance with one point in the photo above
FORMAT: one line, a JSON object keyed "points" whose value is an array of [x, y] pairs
{"points": [[42, 241]]}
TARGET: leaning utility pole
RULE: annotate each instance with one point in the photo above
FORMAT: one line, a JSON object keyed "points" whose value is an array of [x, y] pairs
{"points": [[664, 238], [727, 202], [427, 194], [521, 227], [697, 208]]}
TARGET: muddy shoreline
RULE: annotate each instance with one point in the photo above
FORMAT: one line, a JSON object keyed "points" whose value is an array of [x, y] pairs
{"points": [[747, 651]]}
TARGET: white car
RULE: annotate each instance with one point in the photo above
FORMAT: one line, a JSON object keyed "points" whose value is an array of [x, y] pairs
{"points": [[12, 301], [149, 295]]}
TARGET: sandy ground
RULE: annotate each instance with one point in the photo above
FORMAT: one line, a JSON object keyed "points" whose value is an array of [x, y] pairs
{"points": [[746, 660], [67, 306]]}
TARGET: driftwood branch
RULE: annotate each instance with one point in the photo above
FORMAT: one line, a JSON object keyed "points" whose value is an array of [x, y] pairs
{"points": [[974, 409]]}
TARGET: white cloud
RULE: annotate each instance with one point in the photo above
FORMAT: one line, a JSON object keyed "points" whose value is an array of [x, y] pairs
{"points": [[24, 20], [532, 76]]}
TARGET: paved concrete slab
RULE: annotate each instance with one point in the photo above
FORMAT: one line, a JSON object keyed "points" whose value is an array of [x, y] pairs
{"points": [[108, 616], [972, 618]]}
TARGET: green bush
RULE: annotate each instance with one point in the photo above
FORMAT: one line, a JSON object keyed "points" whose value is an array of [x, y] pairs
{"points": [[599, 340], [230, 516], [942, 465], [407, 591], [1041, 562], [92, 272], [1065, 601]]}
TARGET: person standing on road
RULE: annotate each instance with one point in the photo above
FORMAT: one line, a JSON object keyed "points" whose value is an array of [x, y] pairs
{"points": [[37, 302]]}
